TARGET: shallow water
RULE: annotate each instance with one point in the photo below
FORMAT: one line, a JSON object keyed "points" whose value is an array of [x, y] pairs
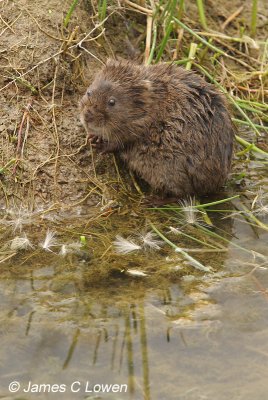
{"points": [[187, 336]]}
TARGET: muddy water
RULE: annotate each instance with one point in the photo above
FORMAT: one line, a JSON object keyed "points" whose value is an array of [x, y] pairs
{"points": [[191, 336]]}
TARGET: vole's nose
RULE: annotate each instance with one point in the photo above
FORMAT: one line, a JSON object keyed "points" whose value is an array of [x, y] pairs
{"points": [[89, 117]]}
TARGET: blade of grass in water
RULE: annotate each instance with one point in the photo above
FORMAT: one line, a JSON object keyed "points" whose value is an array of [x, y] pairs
{"points": [[214, 234], [69, 13], [255, 219], [198, 240], [196, 264]]}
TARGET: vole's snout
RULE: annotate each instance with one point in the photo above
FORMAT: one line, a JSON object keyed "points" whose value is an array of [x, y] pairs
{"points": [[89, 117]]}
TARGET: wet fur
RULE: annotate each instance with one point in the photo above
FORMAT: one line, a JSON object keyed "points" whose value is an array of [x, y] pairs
{"points": [[169, 125]]}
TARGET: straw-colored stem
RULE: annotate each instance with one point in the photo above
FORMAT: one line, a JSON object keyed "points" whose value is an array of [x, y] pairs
{"points": [[151, 55], [192, 53], [148, 39]]}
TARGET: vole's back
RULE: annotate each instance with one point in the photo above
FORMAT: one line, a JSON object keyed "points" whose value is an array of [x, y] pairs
{"points": [[188, 150]]}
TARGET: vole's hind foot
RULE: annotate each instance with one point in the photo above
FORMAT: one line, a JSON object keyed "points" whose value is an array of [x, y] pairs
{"points": [[156, 201]]}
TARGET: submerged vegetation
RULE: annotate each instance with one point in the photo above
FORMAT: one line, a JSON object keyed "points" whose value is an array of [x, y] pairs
{"points": [[228, 50]]}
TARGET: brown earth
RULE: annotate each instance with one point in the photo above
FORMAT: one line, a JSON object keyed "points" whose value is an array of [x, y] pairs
{"points": [[43, 74]]}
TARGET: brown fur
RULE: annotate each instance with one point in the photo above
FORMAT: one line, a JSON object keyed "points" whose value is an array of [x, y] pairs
{"points": [[169, 125]]}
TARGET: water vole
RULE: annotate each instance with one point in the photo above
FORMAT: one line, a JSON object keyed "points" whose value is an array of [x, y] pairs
{"points": [[169, 125]]}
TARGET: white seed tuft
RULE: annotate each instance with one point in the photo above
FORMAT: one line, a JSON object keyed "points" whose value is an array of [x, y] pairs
{"points": [[148, 240], [20, 243], [191, 214], [125, 246], [260, 203], [50, 241], [17, 218]]}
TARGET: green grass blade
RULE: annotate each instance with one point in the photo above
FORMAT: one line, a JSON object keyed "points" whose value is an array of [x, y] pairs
{"points": [[177, 249], [254, 11], [69, 13], [164, 41], [102, 7], [200, 39], [198, 206], [254, 148], [202, 14], [235, 103]]}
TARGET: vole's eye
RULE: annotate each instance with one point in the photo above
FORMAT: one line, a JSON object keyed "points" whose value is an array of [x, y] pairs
{"points": [[89, 93], [111, 101]]}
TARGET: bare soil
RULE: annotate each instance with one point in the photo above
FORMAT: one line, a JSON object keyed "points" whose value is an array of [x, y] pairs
{"points": [[42, 79]]}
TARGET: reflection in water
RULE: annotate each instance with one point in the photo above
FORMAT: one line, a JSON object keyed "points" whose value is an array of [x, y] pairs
{"points": [[175, 334], [72, 348], [145, 360], [191, 340]]}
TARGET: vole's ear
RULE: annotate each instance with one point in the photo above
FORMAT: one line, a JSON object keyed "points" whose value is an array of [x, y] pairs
{"points": [[112, 63], [116, 62], [141, 88]]}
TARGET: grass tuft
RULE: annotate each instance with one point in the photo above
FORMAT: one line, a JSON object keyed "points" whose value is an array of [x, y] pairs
{"points": [[70, 13]]}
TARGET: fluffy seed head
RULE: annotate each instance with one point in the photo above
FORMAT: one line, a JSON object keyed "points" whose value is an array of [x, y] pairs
{"points": [[125, 246], [50, 241]]}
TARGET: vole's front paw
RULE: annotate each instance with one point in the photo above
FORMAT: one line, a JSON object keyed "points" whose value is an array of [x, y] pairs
{"points": [[96, 142], [100, 145]]}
